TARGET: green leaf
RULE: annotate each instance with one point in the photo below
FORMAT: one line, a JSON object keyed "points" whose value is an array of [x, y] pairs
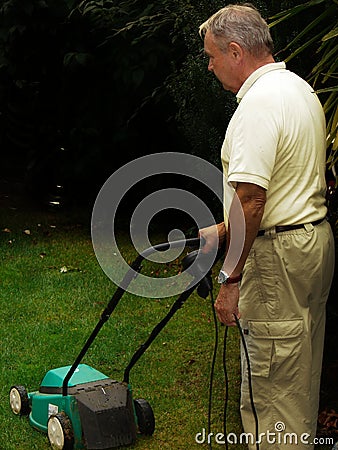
{"points": [[82, 58], [284, 15], [332, 34], [325, 60], [329, 89], [330, 103], [309, 28], [76, 58], [331, 73], [303, 47]]}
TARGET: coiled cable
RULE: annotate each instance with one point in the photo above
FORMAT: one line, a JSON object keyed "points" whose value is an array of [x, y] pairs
{"points": [[253, 408], [212, 373]]}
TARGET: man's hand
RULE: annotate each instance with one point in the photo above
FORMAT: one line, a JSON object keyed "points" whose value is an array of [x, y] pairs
{"points": [[226, 304], [214, 237]]}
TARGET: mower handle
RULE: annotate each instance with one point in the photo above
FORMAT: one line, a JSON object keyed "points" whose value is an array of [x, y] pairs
{"points": [[129, 276], [192, 242]]}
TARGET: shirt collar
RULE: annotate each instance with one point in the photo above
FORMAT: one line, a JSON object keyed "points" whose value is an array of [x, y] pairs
{"points": [[257, 74]]}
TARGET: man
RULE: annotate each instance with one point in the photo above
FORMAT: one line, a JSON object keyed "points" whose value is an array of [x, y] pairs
{"points": [[274, 156]]}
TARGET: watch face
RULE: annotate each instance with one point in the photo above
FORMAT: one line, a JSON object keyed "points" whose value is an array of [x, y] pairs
{"points": [[222, 277]]}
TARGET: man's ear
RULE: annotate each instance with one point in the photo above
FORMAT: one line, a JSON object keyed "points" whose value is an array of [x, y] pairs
{"points": [[236, 51]]}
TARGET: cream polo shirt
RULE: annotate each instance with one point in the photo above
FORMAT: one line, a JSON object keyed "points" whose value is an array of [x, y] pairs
{"points": [[276, 139]]}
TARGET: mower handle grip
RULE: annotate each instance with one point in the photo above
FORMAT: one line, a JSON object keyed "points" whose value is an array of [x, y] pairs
{"points": [[192, 242]]}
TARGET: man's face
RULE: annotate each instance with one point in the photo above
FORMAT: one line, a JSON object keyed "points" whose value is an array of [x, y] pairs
{"points": [[221, 63]]}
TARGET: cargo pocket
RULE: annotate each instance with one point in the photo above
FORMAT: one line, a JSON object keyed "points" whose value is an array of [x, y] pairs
{"points": [[274, 347], [260, 270]]}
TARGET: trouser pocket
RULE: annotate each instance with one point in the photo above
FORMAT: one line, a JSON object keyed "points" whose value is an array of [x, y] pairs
{"points": [[278, 350], [281, 375]]}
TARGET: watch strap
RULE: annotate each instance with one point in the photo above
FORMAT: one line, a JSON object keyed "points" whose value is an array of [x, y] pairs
{"points": [[232, 280]]}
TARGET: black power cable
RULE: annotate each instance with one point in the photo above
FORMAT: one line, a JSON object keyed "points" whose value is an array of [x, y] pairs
{"points": [[226, 398], [254, 412], [205, 288], [212, 370]]}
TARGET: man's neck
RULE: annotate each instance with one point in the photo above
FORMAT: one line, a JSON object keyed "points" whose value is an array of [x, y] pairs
{"points": [[252, 64]]}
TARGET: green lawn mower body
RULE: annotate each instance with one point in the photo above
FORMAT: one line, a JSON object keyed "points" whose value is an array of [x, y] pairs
{"points": [[97, 412], [100, 410]]}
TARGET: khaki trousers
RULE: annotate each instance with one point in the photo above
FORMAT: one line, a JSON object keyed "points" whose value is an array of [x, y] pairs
{"points": [[285, 286]]}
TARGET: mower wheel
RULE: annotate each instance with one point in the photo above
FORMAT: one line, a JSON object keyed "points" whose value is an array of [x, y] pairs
{"points": [[19, 401], [145, 417], [60, 432]]}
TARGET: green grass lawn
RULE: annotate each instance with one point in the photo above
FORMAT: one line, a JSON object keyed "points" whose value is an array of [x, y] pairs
{"points": [[52, 292], [47, 313]]}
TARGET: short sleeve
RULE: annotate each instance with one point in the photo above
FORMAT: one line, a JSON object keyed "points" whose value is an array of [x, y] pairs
{"points": [[252, 136]]}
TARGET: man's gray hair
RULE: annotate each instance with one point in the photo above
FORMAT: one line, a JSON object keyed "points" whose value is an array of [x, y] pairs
{"points": [[242, 24]]}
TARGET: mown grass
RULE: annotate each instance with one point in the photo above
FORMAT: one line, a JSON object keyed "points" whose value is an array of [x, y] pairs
{"points": [[47, 314]]}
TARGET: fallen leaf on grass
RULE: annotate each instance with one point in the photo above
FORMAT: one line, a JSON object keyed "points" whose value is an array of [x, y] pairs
{"points": [[191, 361], [28, 232], [66, 269], [6, 230]]}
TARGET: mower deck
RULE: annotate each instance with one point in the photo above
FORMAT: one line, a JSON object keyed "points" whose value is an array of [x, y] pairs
{"points": [[98, 412]]}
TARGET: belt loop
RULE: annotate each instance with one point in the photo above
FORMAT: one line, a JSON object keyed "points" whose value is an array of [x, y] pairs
{"points": [[271, 232], [308, 227]]}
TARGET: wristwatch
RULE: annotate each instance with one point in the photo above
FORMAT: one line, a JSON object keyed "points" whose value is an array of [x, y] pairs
{"points": [[224, 278]]}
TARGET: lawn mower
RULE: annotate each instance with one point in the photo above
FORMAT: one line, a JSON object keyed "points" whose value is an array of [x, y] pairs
{"points": [[81, 408]]}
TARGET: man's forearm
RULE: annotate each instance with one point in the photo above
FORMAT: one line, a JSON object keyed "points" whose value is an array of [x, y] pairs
{"points": [[252, 200]]}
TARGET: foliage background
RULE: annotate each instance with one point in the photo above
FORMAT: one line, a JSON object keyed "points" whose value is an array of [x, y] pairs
{"points": [[86, 86]]}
